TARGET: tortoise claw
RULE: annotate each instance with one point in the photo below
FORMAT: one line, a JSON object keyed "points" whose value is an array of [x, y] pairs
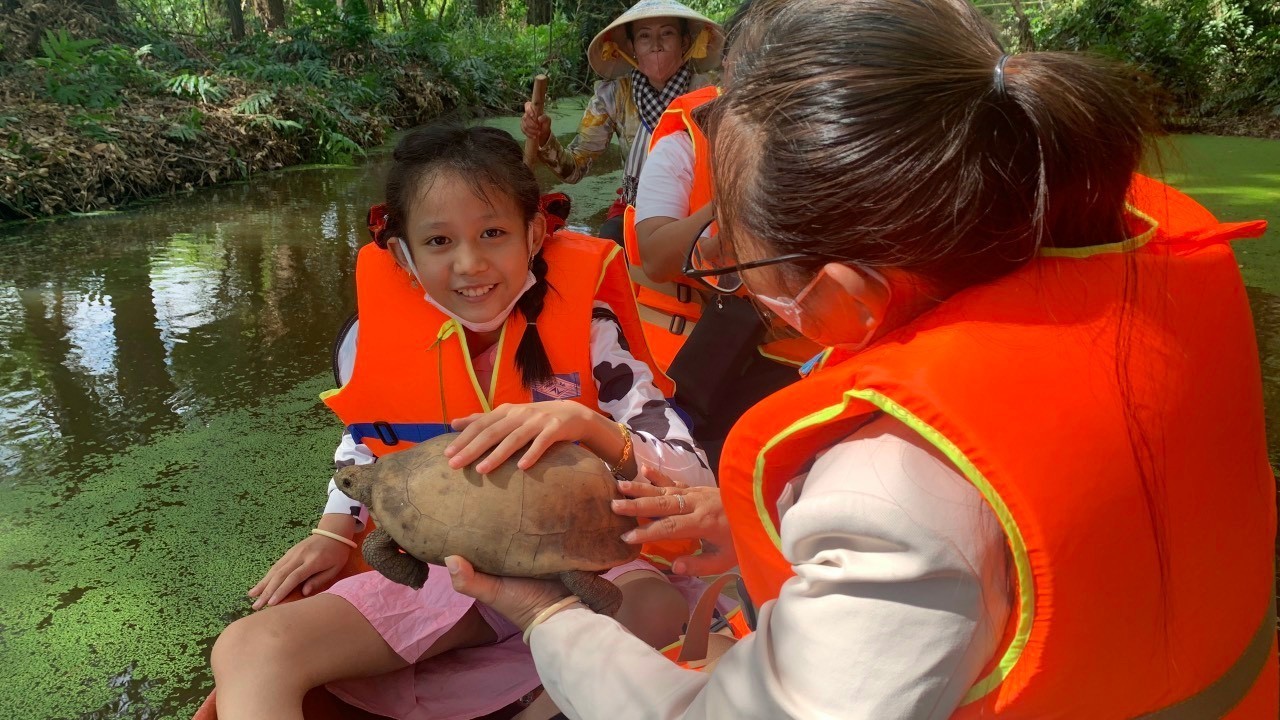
{"points": [[384, 555], [594, 591]]}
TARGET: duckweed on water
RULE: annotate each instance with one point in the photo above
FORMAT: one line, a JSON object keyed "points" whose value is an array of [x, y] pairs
{"points": [[113, 596]]}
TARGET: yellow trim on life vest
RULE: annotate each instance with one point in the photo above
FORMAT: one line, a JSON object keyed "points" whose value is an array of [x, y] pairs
{"points": [[1128, 245], [604, 267], [329, 393], [1022, 562], [777, 358], [451, 327], [497, 364], [657, 560]]}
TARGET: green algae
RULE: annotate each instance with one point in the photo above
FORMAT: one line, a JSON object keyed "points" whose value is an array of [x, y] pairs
{"points": [[1238, 179], [114, 595]]}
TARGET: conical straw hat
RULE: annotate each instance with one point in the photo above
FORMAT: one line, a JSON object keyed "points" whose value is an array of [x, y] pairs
{"points": [[609, 53]]}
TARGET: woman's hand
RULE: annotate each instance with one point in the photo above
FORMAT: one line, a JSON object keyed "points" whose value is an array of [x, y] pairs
{"points": [[533, 126], [313, 563], [680, 513], [510, 427], [518, 599]]}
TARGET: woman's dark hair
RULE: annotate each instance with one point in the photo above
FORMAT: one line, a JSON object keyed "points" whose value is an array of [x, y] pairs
{"points": [[489, 160], [878, 131], [879, 134]]}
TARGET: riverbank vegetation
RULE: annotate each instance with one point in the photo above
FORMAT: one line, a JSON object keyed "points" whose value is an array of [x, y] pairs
{"points": [[1218, 61], [107, 101]]}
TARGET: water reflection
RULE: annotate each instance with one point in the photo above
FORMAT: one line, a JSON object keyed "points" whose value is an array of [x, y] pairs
{"points": [[118, 327]]}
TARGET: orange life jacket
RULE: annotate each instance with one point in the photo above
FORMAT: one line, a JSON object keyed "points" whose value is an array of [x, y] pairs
{"points": [[413, 372], [679, 118], [678, 307], [1015, 381]]}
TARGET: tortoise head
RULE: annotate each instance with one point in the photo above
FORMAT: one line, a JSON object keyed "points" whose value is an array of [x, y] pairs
{"points": [[356, 481]]}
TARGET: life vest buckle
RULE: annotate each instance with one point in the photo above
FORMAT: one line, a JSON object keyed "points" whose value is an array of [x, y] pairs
{"points": [[386, 433]]}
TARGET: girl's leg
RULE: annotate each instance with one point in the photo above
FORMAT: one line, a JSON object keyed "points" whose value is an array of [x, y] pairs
{"points": [[263, 664], [652, 608]]}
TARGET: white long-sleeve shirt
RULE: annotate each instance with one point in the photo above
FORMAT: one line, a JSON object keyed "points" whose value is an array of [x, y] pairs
{"points": [[900, 598], [625, 392]]}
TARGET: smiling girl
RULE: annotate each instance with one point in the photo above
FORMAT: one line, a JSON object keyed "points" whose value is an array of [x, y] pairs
{"points": [[474, 315]]}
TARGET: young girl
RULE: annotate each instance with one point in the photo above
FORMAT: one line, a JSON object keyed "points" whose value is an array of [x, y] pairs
{"points": [[474, 316]]}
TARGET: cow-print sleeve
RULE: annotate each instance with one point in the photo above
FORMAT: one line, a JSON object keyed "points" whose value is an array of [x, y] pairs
{"points": [[624, 385], [349, 452]]}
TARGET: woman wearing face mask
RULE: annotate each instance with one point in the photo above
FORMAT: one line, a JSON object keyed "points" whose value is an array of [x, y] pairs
{"points": [[1030, 477], [653, 53]]}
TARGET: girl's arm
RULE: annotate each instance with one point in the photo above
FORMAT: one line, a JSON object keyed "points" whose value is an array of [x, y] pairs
{"points": [[315, 560], [349, 452], [624, 385]]}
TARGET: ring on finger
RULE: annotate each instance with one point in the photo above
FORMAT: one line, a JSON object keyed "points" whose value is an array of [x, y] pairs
{"points": [[680, 502]]}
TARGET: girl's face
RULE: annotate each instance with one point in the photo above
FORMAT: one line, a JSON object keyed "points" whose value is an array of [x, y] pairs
{"points": [[471, 251]]}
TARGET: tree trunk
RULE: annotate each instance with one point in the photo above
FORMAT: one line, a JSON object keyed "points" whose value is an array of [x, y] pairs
{"points": [[236, 14], [275, 14], [1026, 41], [592, 16], [539, 12], [487, 8]]}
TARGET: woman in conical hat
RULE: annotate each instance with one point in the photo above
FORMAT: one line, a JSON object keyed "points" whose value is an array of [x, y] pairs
{"points": [[650, 55]]}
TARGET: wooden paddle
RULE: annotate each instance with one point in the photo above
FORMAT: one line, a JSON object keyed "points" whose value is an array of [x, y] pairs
{"points": [[539, 96]]}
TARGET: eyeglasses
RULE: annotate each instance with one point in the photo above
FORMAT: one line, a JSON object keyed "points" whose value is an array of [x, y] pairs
{"points": [[707, 258]]}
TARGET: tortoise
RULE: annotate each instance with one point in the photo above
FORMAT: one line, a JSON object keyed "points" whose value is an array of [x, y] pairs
{"points": [[551, 521]]}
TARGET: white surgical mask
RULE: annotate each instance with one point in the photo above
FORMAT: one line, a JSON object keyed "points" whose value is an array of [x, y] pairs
{"points": [[478, 327], [850, 329]]}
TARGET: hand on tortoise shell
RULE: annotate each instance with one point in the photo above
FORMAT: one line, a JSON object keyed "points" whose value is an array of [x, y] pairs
{"points": [[508, 428], [518, 599], [680, 513]]}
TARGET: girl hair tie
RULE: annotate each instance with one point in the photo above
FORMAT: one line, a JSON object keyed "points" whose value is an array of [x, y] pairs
{"points": [[1001, 91]]}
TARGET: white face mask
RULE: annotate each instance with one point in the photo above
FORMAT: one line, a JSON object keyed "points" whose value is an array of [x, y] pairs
{"points": [[479, 327], [851, 330]]}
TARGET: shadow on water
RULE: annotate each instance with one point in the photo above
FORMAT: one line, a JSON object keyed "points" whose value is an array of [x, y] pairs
{"points": [[161, 440]]}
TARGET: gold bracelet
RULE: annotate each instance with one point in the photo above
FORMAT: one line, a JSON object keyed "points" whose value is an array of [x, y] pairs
{"points": [[548, 612], [626, 449], [335, 536]]}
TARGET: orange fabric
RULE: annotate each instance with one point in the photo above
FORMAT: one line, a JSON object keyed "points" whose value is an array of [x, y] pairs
{"points": [[413, 368], [674, 119], [401, 356], [1019, 375], [679, 118]]}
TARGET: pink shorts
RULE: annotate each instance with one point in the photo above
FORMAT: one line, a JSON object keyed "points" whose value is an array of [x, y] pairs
{"points": [[457, 685]]}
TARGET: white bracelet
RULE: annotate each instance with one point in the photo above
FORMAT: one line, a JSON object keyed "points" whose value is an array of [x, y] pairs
{"points": [[345, 541], [548, 612]]}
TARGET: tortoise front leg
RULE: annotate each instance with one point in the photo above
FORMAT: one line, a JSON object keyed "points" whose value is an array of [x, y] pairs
{"points": [[384, 555], [594, 591]]}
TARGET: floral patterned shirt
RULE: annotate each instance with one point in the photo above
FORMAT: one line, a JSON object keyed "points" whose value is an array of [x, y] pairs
{"points": [[612, 111]]}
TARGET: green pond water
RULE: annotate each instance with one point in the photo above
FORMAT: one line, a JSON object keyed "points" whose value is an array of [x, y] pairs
{"points": [[161, 440]]}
